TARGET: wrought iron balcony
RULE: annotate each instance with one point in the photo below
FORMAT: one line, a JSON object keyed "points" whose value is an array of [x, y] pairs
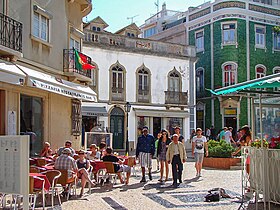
{"points": [[70, 68], [176, 98], [10, 34]]}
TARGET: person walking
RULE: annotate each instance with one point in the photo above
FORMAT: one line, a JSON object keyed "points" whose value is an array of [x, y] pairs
{"points": [[208, 134], [177, 131], [176, 155], [228, 136], [163, 143], [199, 143], [156, 148], [145, 150]]}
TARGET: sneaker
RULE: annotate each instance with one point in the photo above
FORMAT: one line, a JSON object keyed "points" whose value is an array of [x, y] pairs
{"points": [[199, 174], [143, 180], [150, 176]]}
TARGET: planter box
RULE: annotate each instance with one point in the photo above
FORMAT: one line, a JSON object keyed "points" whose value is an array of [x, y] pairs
{"points": [[220, 163]]}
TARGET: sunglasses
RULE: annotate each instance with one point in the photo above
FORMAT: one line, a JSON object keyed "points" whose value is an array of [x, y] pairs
{"points": [[164, 134], [81, 153]]}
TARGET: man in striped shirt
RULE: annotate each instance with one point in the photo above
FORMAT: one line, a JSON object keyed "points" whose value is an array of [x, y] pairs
{"points": [[145, 150]]}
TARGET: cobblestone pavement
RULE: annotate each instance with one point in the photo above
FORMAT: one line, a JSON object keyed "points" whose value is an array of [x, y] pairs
{"points": [[153, 195]]}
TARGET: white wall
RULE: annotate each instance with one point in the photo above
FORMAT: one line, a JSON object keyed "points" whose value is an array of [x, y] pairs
{"points": [[159, 67]]}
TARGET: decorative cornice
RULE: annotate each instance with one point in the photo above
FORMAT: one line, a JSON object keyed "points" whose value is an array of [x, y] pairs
{"points": [[229, 4]]}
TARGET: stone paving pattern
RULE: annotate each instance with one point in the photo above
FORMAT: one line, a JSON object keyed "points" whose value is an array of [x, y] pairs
{"points": [[153, 195]]}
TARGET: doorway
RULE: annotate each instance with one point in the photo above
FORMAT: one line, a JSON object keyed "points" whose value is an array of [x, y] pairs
{"points": [[156, 126], [231, 122], [117, 127]]}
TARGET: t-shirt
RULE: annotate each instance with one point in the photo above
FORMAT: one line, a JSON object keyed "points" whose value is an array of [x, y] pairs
{"points": [[228, 134], [199, 144], [114, 159]]}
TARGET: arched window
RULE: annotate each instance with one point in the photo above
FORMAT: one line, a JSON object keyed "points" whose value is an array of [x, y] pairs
{"points": [[143, 84], [229, 73], [117, 82], [199, 80], [174, 81], [260, 71]]}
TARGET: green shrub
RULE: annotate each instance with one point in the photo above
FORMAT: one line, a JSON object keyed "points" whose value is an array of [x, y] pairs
{"points": [[219, 149]]}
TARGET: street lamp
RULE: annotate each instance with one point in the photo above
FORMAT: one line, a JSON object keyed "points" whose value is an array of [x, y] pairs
{"points": [[127, 107]]}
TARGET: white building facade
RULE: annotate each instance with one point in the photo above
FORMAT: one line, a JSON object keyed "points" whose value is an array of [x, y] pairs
{"points": [[154, 77]]}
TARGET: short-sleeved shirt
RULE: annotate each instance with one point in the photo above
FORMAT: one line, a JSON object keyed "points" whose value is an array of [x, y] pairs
{"points": [[65, 162], [228, 134], [114, 159], [97, 156], [199, 144]]}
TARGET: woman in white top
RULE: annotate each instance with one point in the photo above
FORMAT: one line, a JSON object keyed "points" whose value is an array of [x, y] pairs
{"points": [[94, 154]]}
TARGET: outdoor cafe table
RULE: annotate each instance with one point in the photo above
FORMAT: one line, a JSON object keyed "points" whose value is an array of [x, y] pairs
{"points": [[38, 184]]}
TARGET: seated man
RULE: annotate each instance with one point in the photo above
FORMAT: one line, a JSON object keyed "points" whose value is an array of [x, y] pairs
{"points": [[68, 144], [66, 162], [118, 165]]}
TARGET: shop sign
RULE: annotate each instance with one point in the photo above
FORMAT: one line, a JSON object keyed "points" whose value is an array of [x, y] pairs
{"points": [[230, 111]]}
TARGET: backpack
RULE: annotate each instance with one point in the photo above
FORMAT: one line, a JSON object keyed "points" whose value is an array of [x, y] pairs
{"points": [[212, 197]]}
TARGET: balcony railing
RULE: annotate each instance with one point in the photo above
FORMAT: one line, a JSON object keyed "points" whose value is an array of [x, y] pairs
{"points": [[10, 33], [69, 64], [143, 96], [176, 98], [117, 94]]}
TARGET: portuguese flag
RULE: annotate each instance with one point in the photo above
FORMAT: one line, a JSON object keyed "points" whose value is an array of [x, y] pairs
{"points": [[81, 61]]}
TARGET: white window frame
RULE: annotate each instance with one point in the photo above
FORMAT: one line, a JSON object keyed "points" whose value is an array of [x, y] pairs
{"points": [[77, 43], [257, 74], [277, 37], [234, 42], [199, 49], [234, 72], [258, 37], [40, 18]]}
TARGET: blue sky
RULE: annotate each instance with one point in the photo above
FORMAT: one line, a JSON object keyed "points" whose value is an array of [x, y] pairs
{"points": [[116, 12]]}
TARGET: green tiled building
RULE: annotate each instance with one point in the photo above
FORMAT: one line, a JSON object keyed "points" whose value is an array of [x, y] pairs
{"points": [[235, 42]]}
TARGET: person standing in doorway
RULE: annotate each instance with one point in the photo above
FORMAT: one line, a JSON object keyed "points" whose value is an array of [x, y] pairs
{"points": [[176, 155], [199, 143], [213, 133], [145, 150]]}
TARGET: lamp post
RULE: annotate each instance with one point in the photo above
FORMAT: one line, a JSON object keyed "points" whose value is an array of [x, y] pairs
{"points": [[127, 107]]}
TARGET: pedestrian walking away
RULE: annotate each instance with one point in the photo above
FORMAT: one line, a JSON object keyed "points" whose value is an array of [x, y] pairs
{"points": [[145, 150], [198, 145], [176, 155]]}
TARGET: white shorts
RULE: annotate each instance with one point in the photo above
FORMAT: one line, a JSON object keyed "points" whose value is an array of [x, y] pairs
{"points": [[198, 157], [145, 159]]}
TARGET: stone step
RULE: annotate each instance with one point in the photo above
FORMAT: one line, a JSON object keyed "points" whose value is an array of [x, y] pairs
{"points": [[236, 167], [238, 164]]}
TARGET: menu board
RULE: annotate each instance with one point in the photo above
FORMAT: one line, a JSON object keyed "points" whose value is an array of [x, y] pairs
{"points": [[14, 164]]}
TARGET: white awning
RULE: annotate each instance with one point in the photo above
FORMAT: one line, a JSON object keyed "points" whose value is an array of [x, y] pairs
{"points": [[161, 113], [10, 73], [56, 85]]}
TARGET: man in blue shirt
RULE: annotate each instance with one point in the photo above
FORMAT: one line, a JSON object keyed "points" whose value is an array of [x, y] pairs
{"points": [[145, 150]]}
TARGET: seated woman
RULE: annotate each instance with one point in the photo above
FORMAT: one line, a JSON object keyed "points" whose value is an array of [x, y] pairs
{"points": [[118, 165], [83, 171], [46, 151], [94, 154]]}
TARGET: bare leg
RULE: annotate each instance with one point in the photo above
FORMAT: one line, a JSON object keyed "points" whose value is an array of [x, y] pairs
{"points": [[120, 177], [166, 170], [161, 170], [127, 177], [143, 171]]}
